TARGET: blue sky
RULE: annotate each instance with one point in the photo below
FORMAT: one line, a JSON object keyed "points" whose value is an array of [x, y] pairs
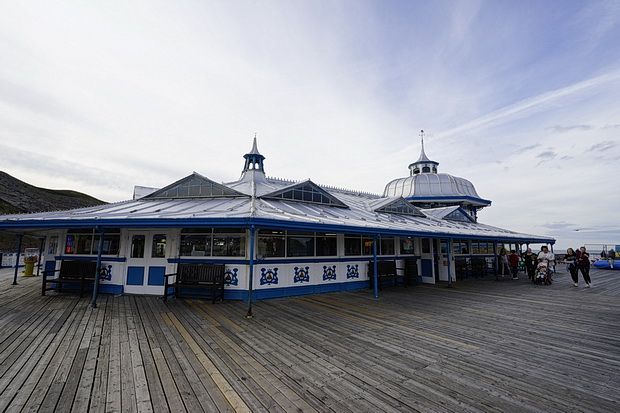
{"points": [[519, 97]]}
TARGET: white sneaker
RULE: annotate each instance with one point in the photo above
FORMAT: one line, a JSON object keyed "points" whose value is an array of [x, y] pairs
{"points": [[587, 285], [576, 285]]}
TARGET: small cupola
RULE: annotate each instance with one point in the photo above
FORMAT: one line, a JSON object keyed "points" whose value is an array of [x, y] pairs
{"points": [[254, 160], [423, 165]]}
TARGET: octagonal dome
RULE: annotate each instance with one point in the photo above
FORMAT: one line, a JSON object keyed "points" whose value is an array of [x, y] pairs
{"points": [[429, 187]]}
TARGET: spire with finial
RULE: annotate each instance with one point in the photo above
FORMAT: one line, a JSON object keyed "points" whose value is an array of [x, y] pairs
{"points": [[423, 164], [253, 159]]}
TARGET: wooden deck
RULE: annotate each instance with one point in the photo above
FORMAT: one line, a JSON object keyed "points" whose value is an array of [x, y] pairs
{"points": [[481, 345]]}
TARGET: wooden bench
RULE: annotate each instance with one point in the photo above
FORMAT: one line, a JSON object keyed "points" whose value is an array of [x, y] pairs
{"points": [[195, 277], [386, 270], [479, 266], [462, 268], [70, 274]]}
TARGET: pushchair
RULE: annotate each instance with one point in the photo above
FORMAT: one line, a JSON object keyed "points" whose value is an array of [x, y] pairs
{"points": [[542, 275]]}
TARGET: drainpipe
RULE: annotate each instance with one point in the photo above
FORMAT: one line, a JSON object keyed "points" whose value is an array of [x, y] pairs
{"points": [[448, 248], [97, 270], [251, 274], [40, 255], [496, 260], [19, 250], [375, 266]]}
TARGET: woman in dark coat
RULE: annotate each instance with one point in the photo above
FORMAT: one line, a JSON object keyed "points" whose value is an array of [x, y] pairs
{"points": [[531, 261], [571, 260]]}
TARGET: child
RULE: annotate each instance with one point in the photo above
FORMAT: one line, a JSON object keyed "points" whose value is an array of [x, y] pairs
{"points": [[513, 260], [542, 273]]}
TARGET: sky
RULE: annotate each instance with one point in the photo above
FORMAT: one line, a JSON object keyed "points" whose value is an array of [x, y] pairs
{"points": [[522, 98]]}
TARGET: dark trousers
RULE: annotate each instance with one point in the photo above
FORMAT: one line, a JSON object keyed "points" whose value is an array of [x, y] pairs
{"points": [[530, 271], [585, 271], [574, 273], [515, 271]]}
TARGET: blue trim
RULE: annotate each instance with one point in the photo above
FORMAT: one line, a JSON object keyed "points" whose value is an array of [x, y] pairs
{"points": [[135, 275], [222, 260], [243, 223], [291, 260], [156, 276], [426, 267], [115, 289], [89, 258], [435, 198]]}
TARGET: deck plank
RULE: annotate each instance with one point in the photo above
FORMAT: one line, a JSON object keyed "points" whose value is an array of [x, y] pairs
{"points": [[480, 346]]}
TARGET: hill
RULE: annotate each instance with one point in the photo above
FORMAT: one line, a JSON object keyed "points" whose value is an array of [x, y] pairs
{"points": [[18, 197]]}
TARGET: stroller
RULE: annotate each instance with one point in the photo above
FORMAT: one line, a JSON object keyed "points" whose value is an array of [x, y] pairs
{"points": [[542, 275]]}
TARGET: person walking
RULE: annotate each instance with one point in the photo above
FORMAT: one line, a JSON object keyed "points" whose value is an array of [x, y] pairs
{"points": [[530, 263], [571, 260], [583, 264], [513, 260], [611, 256], [504, 268]]}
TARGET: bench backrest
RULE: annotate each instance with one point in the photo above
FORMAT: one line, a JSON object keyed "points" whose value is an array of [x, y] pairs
{"points": [[197, 273], [383, 268], [77, 269]]}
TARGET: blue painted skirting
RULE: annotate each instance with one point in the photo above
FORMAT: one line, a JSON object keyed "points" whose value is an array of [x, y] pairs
{"points": [[267, 293]]}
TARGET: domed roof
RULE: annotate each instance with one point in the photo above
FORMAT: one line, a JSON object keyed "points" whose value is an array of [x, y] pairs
{"points": [[427, 186]]}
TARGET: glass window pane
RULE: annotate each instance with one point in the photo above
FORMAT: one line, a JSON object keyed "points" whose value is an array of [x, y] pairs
{"points": [[299, 246], [326, 245], [111, 244], [475, 247], [386, 246], [229, 245], [83, 244], [407, 246], [352, 245], [367, 243], [159, 246], [53, 245], [70, 245], [426, 246], [137, 246], [195, 245], [271, 243]]}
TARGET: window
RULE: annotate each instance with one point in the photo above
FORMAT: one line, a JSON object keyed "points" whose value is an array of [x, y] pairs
{"points": [[401, 206], [53, 245], [86, 242], [426, 246], [326, 245], [475, 247], [275, 243], [386, 246], [460, 247], [359, 245], [228, 242], [426, 169], [137, 246], [352, 245], [299, 244], [407, 246], [194, 186], [271, 243], [217, 242], [159, 246], [307, 192]]}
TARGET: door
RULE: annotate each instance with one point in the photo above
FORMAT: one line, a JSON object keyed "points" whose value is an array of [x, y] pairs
{"points": [[427, 270], [147, 262], [443, 263]]}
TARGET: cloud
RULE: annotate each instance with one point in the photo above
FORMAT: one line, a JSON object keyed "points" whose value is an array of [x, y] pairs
{"points": [[562, 129], [603, 146]]}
